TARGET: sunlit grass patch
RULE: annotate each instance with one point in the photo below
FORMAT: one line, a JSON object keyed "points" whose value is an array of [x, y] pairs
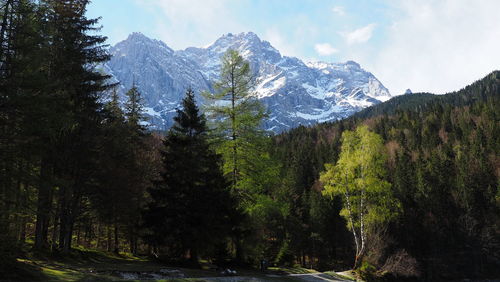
{"points": [[346, 275], [292, 270], [60, 274]]}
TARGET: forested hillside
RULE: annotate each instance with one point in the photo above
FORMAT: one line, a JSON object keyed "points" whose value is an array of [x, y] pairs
{"points": [[443, 164], [422, 101]]}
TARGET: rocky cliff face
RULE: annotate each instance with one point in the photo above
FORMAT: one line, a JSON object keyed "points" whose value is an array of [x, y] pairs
{"points": [[294, 92]]}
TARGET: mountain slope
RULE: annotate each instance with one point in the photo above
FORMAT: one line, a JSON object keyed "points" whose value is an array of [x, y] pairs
{"points": [[295, 93], [480, 90]]}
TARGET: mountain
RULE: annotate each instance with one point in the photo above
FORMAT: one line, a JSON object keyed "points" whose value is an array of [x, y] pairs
{"points": [[486, 89], [295, 93]]}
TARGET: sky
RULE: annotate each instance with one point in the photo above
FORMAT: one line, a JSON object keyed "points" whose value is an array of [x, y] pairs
{"points": [[433, 46]]}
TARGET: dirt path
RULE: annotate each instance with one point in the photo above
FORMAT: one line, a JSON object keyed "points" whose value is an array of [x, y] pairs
{"points": [[315, 277], [309, 277], [233, 279]]}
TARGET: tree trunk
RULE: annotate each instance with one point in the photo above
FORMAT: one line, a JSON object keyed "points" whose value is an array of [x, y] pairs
{"points": [[136, 245], [353, 229], [44, 206], [108, 247], [116, 250], [193, 256], [233, 128], [362, 230], [78, 233], [54, 231], [65, 233], [239, 250], [70, 204], [23, 203], [98, 234], [3, 28], [88, 234], [133, 242], [64, 218]]}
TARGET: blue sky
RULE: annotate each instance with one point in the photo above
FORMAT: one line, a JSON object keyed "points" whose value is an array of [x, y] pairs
{"points": [[424, 45]]}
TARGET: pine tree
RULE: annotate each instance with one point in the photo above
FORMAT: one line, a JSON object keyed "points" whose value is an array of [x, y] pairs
{"points": [[127, 168], [134, 110], [191, 204], [20, 68], [112, 197]]}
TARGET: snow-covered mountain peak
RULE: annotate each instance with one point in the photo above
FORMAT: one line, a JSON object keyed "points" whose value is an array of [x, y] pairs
{"points": [[353, 64], [247, 43], [320, 65], [137, 36], [294, 92], [317, 65], [142, 43]]}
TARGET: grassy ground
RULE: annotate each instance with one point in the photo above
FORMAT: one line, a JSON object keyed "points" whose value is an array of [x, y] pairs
{"points": [[89, 265], [291, 270], [346, 275]]}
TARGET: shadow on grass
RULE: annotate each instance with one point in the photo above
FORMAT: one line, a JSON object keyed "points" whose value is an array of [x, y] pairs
{"points": [[21, 271]]}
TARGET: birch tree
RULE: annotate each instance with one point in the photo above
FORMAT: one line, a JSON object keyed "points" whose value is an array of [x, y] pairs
{"points": [[358, 177]]}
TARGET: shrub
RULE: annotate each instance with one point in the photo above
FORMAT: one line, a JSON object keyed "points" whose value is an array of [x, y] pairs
{"points": [[401, 264]]}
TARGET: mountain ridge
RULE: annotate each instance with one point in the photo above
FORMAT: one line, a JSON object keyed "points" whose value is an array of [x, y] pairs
{"points": [[295, 92], [462, 97]]}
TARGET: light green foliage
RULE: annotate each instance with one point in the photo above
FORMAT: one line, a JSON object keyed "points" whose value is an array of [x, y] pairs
{"points": [[267, 209], [236, 116], [237, 128], [360, 173], [358, 177]]}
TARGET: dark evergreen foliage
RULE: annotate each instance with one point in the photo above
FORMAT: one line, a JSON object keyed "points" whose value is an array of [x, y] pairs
{"points": [[57, 139], [191, 204]]}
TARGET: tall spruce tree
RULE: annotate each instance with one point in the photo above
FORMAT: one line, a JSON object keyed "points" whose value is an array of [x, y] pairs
{"points": [[139, 167], [20, 51], [73, 116], [114, 176], [134, 110], [191, 204]]}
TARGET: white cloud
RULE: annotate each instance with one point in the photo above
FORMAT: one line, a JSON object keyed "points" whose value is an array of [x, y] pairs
{"points": [[278, 41], [325, 49], [291, 37], [438, 46], [359, 35], [338, 10], [183, 23]]}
